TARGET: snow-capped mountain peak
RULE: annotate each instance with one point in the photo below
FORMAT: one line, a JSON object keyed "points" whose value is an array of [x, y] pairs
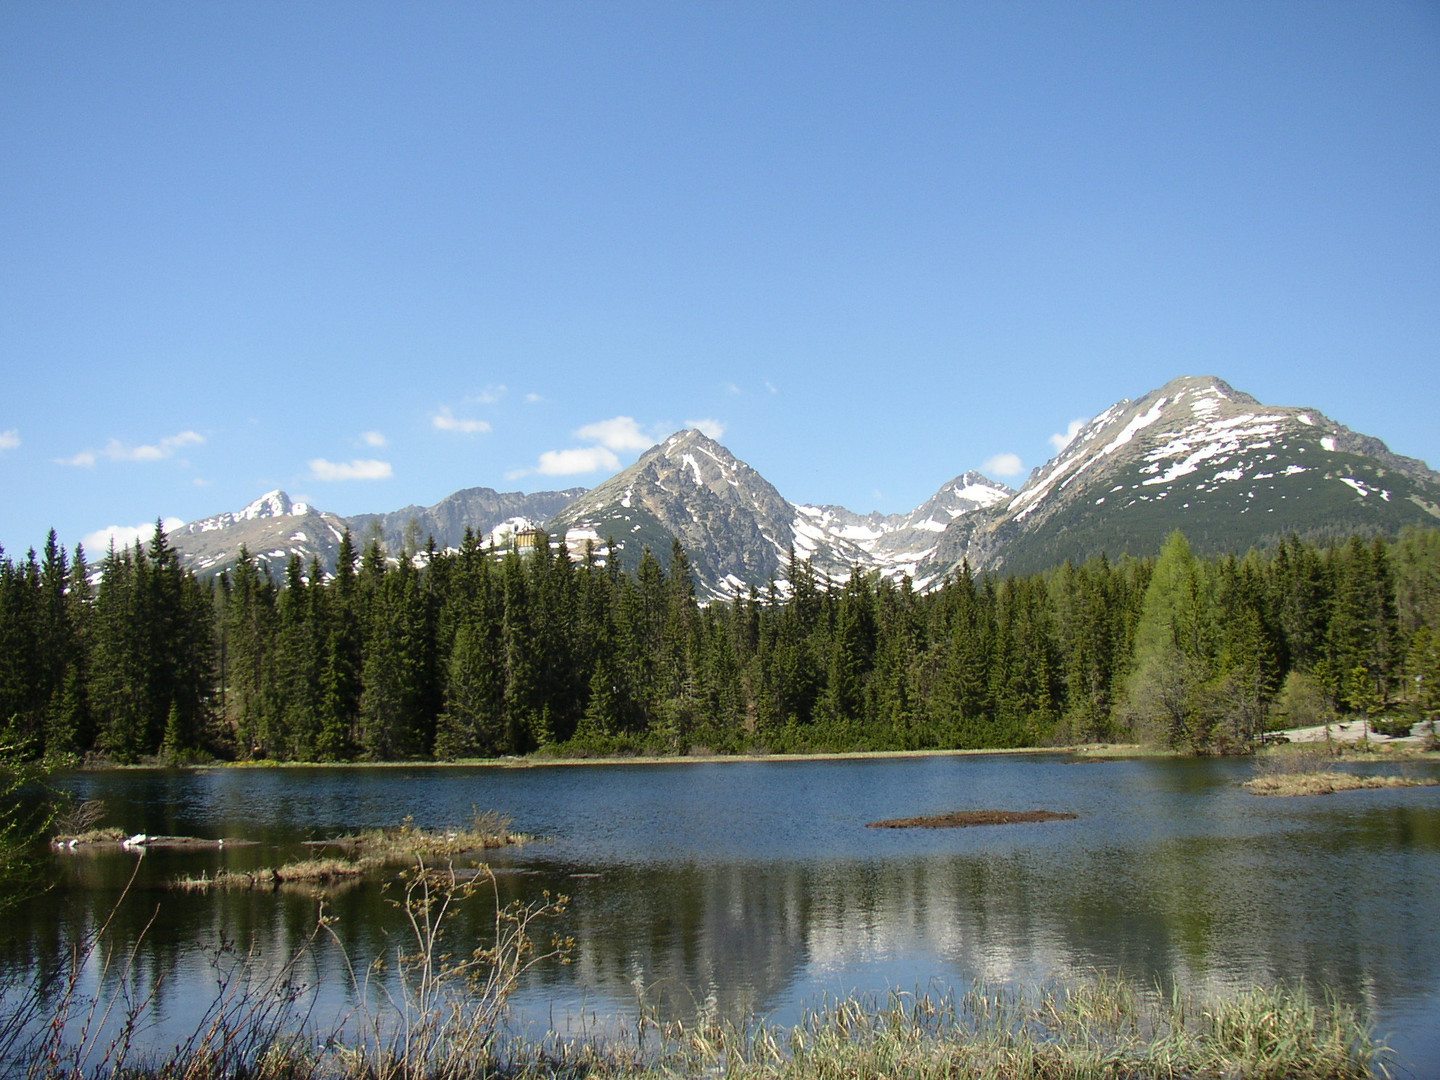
{"points": [[273, 504], [1199, 455]]}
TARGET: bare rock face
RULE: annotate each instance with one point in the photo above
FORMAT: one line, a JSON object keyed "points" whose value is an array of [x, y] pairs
{"points": [[735, 527]]}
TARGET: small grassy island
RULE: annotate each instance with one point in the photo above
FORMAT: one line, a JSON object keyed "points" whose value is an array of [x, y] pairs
{"points": [[1328, 782]]}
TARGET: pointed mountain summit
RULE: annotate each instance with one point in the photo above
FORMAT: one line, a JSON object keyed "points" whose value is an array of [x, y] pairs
{"points": [[735, 527], [271, 528], [738, 531], [1200, 456]]}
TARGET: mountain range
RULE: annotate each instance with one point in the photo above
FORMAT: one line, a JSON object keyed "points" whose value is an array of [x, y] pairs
{"points": [[1195, 454]]}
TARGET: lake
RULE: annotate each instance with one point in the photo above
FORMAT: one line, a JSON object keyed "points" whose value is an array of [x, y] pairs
{"points": [[754, 887]]}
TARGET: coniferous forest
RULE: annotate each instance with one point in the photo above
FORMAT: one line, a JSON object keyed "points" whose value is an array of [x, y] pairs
{"points": [[474, 653]]}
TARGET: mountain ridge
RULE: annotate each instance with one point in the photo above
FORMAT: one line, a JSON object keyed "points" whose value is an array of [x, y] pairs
{"points": [[274, 527], [1194, 454]]}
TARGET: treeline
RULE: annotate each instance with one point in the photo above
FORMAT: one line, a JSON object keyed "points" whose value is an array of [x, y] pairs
{"points": [[474, 654]]}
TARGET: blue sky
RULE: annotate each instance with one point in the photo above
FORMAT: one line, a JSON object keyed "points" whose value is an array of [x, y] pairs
{"points": [[372, 254]]}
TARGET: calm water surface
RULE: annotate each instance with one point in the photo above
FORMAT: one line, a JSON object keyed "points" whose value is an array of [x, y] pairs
{"points": [[756, 885]]}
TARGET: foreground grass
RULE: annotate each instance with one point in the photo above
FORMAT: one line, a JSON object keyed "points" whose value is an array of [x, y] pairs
{"points": [[1103, 1029]]}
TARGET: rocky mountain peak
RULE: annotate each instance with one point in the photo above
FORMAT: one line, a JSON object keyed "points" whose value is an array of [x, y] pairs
{"points": [[273, 504]]}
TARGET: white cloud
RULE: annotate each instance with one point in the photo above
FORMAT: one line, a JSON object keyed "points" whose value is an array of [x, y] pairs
{"points": [[621, 433], [359, 469], [1060, 439], [125, 535], [115, 450], [489, 396], [374, 438], [533, 399], [771, 387], [445, 420], [569, 462], [9, 440], [713, 428], [1003, 465], [731, 388]]}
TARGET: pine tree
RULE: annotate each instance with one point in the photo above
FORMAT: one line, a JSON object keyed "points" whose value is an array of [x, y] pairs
{"points": [[340, 677], [1247, 665], [473, 723], [249, 634], [117, 694], [399, 703]]}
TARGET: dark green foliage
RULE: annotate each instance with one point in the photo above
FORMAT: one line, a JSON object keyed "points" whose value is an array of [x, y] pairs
{"points": [[476, 653]]}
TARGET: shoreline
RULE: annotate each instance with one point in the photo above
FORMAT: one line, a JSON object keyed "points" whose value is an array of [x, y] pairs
{"points": [[1349, 744], [534, 762]]}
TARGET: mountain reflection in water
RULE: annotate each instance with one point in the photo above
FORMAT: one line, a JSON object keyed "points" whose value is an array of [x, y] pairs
{"points": [[755, 887]]}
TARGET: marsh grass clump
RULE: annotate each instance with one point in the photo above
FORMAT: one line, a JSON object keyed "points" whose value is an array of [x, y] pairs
{"points": [[408, 842], [328, 871], [110, 835]]}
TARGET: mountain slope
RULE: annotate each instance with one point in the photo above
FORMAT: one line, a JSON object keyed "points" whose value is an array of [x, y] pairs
{"points": [[271, 528], [1200, 456], [893, 543]]}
